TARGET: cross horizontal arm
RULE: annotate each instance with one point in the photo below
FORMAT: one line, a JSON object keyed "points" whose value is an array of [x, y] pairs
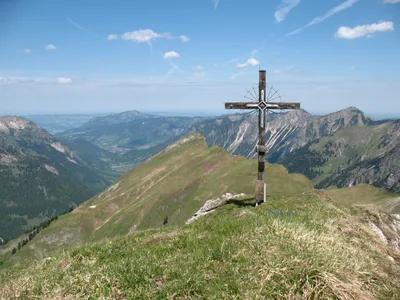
{"points": [[283, 105], [241, 105], [268, 105]]}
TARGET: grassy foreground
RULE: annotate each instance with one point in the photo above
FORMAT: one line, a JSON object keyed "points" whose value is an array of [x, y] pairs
{"points": [[299, 247]]}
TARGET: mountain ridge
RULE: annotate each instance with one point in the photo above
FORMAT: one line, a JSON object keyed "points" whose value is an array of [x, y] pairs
{"points": [[42, 176]]}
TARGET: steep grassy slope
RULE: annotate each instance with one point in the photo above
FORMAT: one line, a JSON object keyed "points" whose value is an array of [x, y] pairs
{"points": [[174, 184], [353, 155], [294, 247]]}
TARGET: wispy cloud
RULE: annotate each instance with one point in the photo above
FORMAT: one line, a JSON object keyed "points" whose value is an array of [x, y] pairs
{"points": [[174, 68], [184, 38], [363, 30], [235, 75], [391, 1], [27, 51], [345, 5], [63, 80], [111, 37], [251, 62], [216, 2], [75, 24], [148, 35], [12, 80], [50, 47], [284, 8], [171, 54]]}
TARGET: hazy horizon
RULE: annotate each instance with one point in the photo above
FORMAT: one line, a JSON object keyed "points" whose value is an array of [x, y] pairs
{"points": [[187, 113]]}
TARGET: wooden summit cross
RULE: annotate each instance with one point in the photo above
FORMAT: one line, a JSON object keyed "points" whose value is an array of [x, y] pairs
{"points": [[262, 106]]}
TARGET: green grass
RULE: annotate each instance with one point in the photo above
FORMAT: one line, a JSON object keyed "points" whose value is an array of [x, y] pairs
{"points": [[364, 194], [298, 245], [313, 250]]}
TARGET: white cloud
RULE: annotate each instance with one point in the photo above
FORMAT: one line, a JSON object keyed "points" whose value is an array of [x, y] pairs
{"points": [[171, 54], [345, 5], [140, 36], [363, 30], [63, 80], [148, 35], [391, 1], [51, 47], [27, 51], [184, 38], [251, 62], [285, 7], [216, 2], [353, 68], [111, 37]]}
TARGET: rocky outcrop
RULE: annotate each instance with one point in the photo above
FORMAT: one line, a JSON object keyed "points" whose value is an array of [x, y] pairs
{"points": [[213, 204], [387, 228]]}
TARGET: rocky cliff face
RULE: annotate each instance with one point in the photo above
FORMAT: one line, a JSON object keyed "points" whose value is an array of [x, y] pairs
{"points": [[285, 132], [352, 156]]}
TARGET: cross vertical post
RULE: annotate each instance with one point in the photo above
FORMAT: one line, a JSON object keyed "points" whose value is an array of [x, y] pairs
{"points": [[262, 106], [261, 149]]}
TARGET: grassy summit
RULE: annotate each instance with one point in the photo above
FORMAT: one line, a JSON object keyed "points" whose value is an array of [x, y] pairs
{"points": [[291, 248], [299, 245]]}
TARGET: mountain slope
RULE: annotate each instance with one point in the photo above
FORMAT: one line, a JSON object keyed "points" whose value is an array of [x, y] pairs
{"points": [[40, 176], [284, 132], [366, 195], [354, 155], [174, 183], [293, 247]]}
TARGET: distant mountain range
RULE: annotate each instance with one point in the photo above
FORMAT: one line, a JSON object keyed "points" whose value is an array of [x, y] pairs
{"points": [[138, 136]]}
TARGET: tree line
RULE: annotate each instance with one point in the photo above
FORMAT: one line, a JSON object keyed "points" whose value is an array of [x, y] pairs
{"points": [[34, 230]]}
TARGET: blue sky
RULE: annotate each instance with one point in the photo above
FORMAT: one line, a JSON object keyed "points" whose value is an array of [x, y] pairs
{"points": [[181, 55]]}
